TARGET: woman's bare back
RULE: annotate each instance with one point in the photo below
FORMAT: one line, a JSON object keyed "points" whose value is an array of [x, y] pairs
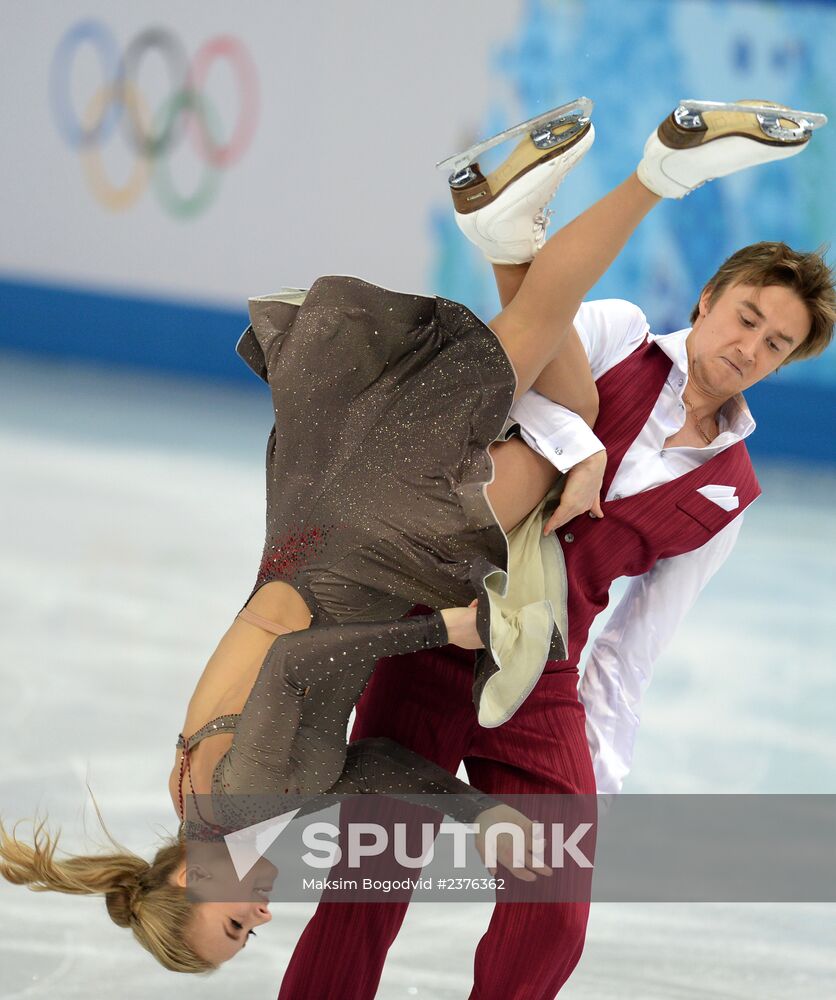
{"points": [[229, 675]]}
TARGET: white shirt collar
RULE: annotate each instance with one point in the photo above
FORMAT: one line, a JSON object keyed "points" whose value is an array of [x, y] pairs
{"points": [[734, 419]]}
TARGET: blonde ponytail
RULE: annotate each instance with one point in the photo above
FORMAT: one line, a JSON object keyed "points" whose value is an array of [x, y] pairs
{"points": [[137, 894]]}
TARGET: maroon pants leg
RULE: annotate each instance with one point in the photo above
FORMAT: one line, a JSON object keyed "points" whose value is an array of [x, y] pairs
{"points": [[530, 949], [423, 701]]}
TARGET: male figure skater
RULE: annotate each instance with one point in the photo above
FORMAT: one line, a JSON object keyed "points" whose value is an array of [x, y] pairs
{"points": [[669, 461]]}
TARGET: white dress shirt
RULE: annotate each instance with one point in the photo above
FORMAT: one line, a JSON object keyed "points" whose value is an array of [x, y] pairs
{"points": [[620, 663]]}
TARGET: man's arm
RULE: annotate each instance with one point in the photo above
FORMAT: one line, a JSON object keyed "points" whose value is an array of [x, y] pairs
{"points": [[620, 664], [554, 431]]}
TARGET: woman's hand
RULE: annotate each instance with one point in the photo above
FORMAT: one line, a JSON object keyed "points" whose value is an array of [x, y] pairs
{"points": [[527, 870], [461, 627], [581, 493]]}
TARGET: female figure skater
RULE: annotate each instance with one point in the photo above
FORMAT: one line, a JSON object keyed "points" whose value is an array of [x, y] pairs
{"points": [[386, 488]]}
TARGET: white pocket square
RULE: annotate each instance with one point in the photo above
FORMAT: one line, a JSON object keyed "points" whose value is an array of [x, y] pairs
{"points": [[723, 496]]}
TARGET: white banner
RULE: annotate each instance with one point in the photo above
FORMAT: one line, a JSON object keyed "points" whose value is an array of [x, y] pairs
{"points": [[206, 151]]}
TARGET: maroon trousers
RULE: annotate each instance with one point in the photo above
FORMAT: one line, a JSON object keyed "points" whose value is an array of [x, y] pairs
{"points": [[423, 701]]}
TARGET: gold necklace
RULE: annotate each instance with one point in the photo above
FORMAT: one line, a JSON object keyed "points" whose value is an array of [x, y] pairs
{"points": [[698, 420]]}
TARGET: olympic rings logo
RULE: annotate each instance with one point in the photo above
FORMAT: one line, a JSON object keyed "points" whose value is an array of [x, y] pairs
{"points": [[185, 113]]}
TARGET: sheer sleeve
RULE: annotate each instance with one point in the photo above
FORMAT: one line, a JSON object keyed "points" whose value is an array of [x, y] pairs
{"points": [[290, 744], [291, 735], [380, 765]]}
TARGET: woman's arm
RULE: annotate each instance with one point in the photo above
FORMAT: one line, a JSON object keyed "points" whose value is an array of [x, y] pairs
{"points": [[291, 733], [290, 739], [378, 765], [293, 722]]}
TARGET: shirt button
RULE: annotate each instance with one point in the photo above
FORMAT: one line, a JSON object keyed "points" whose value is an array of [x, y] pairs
{"points": [[559, 451], [617, 496], [568, 537], [681, 382]]}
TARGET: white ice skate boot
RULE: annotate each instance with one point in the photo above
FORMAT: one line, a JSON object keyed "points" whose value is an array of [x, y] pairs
{"points": [[702, 140], [504, 213]]}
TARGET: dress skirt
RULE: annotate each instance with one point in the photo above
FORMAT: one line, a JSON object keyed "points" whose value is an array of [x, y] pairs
{"points": [[385, 405]]}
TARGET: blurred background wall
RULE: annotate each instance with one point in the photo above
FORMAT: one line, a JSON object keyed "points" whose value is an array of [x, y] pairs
{"points": [[263, 145], [132, 519]]}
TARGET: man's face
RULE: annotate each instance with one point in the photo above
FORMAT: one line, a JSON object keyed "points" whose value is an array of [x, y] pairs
{"points": [[746, 333]]}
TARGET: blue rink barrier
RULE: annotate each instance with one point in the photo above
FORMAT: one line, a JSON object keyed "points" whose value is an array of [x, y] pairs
{"points": [[795, 420], [122, 329]]}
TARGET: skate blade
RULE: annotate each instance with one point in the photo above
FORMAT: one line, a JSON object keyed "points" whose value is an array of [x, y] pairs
{"points": [[577, 111], [776, 122]]}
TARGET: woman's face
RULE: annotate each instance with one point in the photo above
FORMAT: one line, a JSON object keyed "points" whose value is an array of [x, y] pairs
{"points": [[219, 931], [226, 911]]}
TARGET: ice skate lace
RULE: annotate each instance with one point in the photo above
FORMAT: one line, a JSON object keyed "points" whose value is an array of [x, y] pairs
{"points": [[541, 222]]}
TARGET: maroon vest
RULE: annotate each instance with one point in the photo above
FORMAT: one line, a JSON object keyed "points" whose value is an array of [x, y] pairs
{"points": [[665, 521]]}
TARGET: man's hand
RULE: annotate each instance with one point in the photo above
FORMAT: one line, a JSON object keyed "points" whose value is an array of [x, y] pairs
{"points": [[581, 493], [524, 867]]}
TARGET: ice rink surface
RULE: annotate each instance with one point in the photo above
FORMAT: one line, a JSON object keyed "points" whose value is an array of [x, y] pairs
{"points": [[132, 526]]}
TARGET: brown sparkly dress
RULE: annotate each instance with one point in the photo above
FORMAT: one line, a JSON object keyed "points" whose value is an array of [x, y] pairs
{"points": [[385, 404]]}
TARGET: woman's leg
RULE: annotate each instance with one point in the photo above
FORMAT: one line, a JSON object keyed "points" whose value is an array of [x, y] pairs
{"points": [[521, 479], [509, 279], [533, 326], [566, 379]]}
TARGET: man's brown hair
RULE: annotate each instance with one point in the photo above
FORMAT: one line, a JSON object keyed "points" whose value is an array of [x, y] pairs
{"points": [[807, 274]]}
